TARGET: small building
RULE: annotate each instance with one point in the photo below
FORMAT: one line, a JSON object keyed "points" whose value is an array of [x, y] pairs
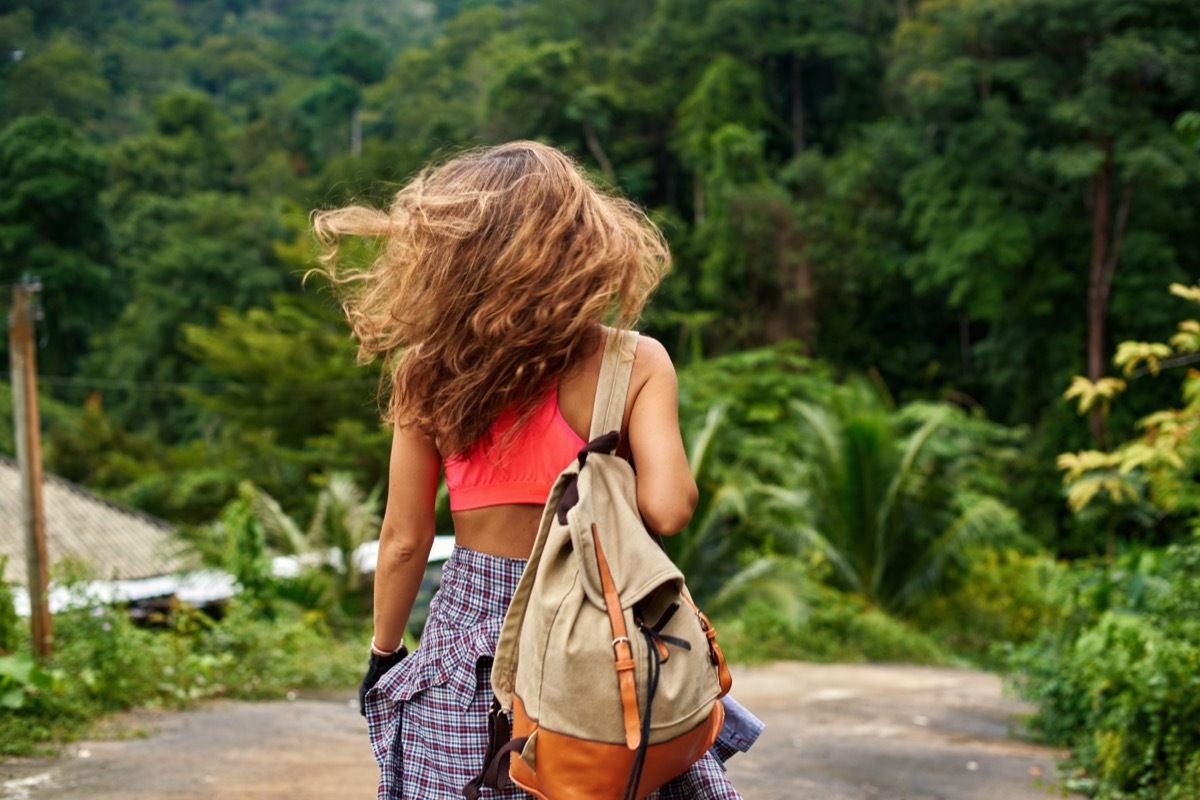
{"points": [[125, 556], [131, 557], [111, 542]]}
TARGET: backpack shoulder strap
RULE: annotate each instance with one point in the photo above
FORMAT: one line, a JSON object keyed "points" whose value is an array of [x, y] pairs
{"points": [[612, 388]]}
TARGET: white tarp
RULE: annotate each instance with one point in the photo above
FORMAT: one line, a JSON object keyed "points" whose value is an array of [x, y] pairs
{"points": [[202, 586]]}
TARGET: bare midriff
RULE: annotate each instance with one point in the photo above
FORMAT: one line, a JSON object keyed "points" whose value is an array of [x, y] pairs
{"points": [[507, 531]]}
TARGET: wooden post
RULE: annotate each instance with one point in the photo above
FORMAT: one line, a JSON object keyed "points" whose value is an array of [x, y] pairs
{"points": [[29, 459]]}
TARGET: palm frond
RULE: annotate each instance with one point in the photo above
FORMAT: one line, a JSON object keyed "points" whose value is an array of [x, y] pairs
{"points": [[827, 431], [811, 537], [762, 580], [984, 520], [280, 530], [701, 444], [912, 451]]}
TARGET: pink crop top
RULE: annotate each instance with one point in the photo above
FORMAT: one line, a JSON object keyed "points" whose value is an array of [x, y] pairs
{"points": [[524, 471]]}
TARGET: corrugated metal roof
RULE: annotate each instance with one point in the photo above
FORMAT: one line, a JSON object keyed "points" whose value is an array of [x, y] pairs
{"points": [[117, 543]]}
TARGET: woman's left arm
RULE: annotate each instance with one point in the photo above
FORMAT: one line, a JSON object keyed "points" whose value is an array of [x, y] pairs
{"points": [[407, 532]]}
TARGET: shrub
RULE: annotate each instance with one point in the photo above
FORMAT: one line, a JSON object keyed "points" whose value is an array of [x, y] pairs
{"points": [[9, 622], [1119, 682], [838, 627], [1004, 598], [103, 663]]}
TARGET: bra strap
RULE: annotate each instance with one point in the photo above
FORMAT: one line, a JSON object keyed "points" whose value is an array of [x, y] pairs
{"points": [[613, 386]]}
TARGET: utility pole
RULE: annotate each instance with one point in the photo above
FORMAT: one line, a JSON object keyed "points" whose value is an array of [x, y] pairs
{"points": [[29, 460]]}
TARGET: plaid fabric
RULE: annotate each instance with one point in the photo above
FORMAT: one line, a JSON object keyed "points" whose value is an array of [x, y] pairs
{"points": [[428, 716], [706, 780]]}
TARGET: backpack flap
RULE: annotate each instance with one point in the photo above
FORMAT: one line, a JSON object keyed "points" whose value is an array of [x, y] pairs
{"points": [[608, 513]]}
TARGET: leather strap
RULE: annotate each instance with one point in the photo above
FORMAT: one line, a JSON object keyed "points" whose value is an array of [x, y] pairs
{"points": [[621, 649], [613, 386]]}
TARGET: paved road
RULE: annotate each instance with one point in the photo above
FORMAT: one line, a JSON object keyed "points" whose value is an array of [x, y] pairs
{"points": [[870, 731], [835, 732]]}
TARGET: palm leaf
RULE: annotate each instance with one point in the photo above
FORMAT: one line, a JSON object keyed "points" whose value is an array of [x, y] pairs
{"points": [[765, 581], [912, 451], [701, 444], [280, 530], [986, 519]]}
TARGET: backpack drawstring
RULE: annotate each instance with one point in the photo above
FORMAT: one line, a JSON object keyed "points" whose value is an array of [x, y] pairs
{"points": [[654, 667], [656, 655]]}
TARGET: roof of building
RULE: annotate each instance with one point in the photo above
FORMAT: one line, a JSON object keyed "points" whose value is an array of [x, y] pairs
{"points": [[114, 543]]}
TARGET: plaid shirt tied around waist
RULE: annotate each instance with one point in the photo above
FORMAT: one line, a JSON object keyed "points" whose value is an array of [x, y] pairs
{"points": [[427, 717]]}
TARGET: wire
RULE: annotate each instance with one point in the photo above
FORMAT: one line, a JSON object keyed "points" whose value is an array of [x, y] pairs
{"points": [[134, 385]]}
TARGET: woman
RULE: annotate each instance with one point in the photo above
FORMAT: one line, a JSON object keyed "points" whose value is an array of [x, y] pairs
{"points": [[486, 301]]}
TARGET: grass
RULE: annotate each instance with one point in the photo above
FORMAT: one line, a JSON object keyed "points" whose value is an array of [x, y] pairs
{"points": [[104, 664]]}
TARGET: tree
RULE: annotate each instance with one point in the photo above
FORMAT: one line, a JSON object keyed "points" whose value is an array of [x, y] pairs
{"points": [[820, 60], [551, 89], [64, 79], [289, 368], [356, 55], [186, 259], [186, 152], [329, 111], [52, 227], [344, 519], [1158, 466], [235, 69], [1046, 127]]}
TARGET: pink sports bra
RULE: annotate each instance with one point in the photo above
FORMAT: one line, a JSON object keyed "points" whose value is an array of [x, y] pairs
{"points": [[524, 470]]}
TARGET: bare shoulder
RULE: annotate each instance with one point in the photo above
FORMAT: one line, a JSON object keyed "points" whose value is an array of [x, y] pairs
{"points": [[653, 378], [652, 362], [651, 359], [651, 353]]}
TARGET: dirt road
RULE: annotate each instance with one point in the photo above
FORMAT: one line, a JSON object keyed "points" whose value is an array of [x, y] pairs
{"points": [[834, 732]]}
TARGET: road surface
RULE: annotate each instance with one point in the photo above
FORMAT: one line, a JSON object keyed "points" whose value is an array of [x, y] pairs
{"points": [[834, 732]]}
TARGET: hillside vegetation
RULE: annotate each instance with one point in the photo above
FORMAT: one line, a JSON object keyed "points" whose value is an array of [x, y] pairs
{"points": [[902, 230]]}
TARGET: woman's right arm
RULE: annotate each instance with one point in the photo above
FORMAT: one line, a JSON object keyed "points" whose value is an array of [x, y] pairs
{"points": [[666, 490], [407, 533]]}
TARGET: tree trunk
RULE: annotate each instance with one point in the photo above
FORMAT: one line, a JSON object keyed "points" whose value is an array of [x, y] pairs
{"points": [[964, 341], [799, 134], [806, 305], [794, 313], [597, 151], [356, 136], [1107, 237]]}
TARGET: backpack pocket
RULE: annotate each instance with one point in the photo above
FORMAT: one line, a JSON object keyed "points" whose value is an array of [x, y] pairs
{"points": [[608, 516]]}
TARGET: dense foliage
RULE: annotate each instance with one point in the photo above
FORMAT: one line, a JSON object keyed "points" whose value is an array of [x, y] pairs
{"points": [[901, 229], [1119, 681], [1004, 179]]}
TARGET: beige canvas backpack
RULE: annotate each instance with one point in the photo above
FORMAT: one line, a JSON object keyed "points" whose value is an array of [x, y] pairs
{"points": [[607, 678]]}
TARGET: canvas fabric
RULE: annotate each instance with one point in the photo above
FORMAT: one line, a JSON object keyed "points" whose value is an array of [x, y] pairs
{"points": [[427, 717], [598, 599]]}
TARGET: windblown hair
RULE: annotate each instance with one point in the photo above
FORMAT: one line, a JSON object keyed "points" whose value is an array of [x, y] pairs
{"points": [[494, 268]]}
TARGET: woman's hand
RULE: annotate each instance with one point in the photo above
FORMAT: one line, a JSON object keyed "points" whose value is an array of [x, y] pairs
{"points": [[377, 667]]}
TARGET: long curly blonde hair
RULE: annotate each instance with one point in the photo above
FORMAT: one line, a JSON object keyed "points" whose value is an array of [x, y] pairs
{"points": [[494, 268]]}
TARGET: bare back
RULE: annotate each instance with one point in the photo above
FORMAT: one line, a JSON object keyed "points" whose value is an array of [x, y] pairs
{"points": [[652, 438]]}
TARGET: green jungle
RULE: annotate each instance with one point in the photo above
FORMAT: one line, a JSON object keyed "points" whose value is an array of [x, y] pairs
{"points": [[934, 307]]}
